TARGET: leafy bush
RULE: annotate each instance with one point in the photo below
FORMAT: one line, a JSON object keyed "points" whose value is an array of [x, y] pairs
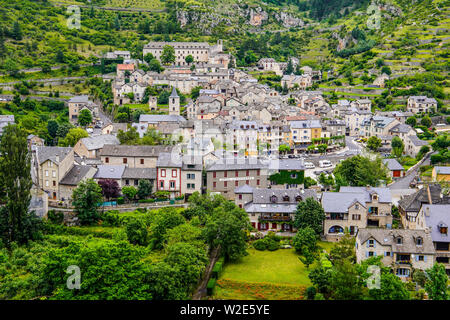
{"points": [[273, 245], [120, 200], [260, 244], [217, 269], [56, 217]]}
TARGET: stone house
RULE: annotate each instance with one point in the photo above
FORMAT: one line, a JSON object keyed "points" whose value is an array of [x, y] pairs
{"points": [[91, 147], [418, 104], [353, 208], [402, 250], [132, 156]]}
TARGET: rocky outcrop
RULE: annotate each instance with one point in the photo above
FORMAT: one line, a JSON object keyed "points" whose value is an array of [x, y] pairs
{"points": [[288, 21], [257, 16]]}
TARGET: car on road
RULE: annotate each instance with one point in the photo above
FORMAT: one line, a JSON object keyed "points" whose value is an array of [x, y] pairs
{"points": [[325, 163], [309, 165], [89, 130], [317, 173]]}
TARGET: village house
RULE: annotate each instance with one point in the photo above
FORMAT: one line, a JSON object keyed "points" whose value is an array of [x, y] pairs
{"points": [[53, 163], [168, 174], [110, 172], [304, 131], [396, 170], [132, 176], [353, 208], [354, 119], [91, 147], [225, 175], [34, 141], [4, 121], [271, 209], [301, 81], [409, 206], [132, 156], [78, 103], [200, 51], [377, 126], [402, 250], [413, 145], [73, 178], [418, 104], [440, 173], [436, 218]]}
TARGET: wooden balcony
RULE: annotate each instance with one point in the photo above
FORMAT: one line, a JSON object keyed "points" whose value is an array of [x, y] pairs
{"points": [[268, 217]]}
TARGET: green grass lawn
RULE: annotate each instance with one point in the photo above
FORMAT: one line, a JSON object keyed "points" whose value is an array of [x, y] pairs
{"points": [[265, 275]]}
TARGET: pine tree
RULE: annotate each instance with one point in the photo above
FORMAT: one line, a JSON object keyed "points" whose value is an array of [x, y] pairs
{"points": [[16, 32]]}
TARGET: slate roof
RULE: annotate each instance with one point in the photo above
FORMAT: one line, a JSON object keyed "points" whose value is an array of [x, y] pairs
{"points": [[437, 215], [174, 93], [264, 195], [286, 164], [50, 153], [416, 141], [160, 118], [442, 169], [413, 202], [386, 237], [393, 164], [134, 151], [97, 142], [110, 171], [305, 124], [79, 99], [139, 173], [244, 189], [401, 128], [76, 174], [339, 202], [169, 160]]}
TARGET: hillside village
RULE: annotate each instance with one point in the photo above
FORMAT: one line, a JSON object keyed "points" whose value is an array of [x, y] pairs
{"points": [[182, 121]]}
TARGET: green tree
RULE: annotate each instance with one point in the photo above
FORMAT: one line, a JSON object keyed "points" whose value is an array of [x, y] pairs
{"points": [[284, 148], [436, 286], [136, 231], [397, 146], [129, 192], [345, 283], [165, 219], [72, 137], [426, 121], [226, 227], [307, 258], [155, 66], [305, 240], [52, 128], [168, 55], [412, 121], [144, 189], [344, 249], [309, 213], [189, 59], [373, 143], [86, 198], [85, 117], [16, 31], [326, 180], [16, 223], [360, 171]]}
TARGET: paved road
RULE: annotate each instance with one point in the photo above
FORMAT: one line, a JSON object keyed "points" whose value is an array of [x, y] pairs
{"points": [[403, 183]]}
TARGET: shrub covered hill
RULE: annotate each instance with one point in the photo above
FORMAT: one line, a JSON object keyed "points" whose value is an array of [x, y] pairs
{"points": [[346, 39]]}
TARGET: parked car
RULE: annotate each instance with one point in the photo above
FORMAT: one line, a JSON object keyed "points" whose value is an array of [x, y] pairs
{"points": [[89, 130], [325, 163], [309, 165]]}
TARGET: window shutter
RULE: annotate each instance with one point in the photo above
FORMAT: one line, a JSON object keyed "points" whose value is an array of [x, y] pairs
{"points": [[417, 258], [385, 253], [374, 244], [367, 243], [424, 258], [374, 254], [367, 254]]}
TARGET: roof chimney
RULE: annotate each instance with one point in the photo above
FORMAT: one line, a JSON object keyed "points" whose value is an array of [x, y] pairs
{"points": [[430, 201]]}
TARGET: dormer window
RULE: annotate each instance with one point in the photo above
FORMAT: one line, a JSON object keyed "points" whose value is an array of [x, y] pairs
{"points": [[399, 240], [298, 198], [375, 197], [286, 198], [443, 228], [419, 241], [273, 199]]}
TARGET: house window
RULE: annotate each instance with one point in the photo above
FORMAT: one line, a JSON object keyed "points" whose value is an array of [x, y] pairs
{"points": [[142, 161], [163, 172], [225, 184], [247, 173], [106, 160], [174, 173], [419, 241], [214, 184], [125, 160], [286, 198], [236, 183], [240, 197], [236, 173], [371, 243], [172, 184], [257, 182], [136, 182], [399, 240], [46, 183], [54, 183], [370, 254], [273, 199], [356, 217], [127, 182], [225, 174], [247, 182], [388, 254], [258, 172], [402, 272], [214, 174], [420, 258]]}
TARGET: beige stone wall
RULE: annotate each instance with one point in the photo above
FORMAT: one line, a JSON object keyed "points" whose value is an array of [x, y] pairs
{"points": [[132, 162], [378, 249], [197, 182], [228, 190]]}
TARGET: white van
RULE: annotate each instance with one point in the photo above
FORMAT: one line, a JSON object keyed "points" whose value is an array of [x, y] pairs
{"points": [[309, 165], [325, 163]]}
